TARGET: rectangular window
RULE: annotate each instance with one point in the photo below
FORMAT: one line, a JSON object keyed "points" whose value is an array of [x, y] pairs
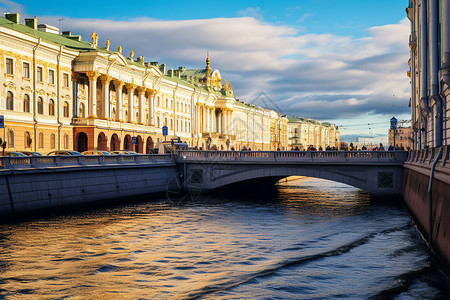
{"points": [[26, 70], [66, 80], [51, 76], [39, 76], [9, 66]]}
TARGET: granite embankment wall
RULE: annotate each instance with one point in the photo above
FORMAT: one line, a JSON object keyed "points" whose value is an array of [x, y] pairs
{"points": [[416, 179], [38, 183]]}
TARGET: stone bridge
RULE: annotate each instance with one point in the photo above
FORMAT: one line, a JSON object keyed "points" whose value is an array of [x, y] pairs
{"points": [[377, 172]]}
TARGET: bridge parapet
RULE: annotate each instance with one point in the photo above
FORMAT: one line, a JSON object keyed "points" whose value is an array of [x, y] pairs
{"points": [[294, 156], [16, 162]]}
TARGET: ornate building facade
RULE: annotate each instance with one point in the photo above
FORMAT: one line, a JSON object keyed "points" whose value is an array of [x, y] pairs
{"points": [[306, 133], [60, 92], [430, 73]]}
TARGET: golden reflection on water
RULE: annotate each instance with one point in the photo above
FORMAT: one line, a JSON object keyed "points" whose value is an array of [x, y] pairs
{"points": [[150, 250]]}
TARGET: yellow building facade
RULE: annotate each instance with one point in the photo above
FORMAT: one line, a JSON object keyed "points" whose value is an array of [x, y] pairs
{"points": [[307, 133], [59, 92]]}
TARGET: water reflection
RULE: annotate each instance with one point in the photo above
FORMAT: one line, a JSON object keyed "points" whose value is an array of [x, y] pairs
{"points": [[311, 239]]}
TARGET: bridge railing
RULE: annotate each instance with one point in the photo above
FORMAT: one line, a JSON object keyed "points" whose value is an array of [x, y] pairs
{"points": [[426, 157], [21, 162], [312, 156]]}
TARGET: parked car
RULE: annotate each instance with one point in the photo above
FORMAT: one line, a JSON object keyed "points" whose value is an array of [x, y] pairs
{"points": [[11, 153], [123, 152], [64, 152], [95, 152], [31, 153]]}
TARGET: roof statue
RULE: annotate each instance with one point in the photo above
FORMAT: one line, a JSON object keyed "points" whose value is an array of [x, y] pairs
{"points": [[94, 37], [131, 55], [119, 49], [225, 85], [107, 44], [230, 88]]}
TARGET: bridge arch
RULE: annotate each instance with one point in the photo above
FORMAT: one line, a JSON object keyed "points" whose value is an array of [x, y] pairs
{"points": [[378, 173]]}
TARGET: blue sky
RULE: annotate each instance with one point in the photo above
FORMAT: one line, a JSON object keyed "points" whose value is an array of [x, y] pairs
{"points": [[342, 61]]}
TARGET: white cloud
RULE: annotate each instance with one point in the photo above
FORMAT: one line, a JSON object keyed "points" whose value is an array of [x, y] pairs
{"points": [[314, 75]]}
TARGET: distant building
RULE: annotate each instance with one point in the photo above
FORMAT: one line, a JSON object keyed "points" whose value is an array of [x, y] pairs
{"points": [[402, 137], [304, 133]]}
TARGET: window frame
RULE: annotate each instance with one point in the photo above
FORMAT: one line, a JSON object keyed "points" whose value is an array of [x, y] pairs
{"points": [[9, 66], [28, 68], [39, 74], [26, 103], [9, 100], [51, 76]]}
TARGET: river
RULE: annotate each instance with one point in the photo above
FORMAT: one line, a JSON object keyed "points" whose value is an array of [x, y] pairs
{"points": [[311, 239]]}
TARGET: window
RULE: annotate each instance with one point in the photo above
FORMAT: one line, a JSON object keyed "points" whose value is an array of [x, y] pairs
{"points": [[26, 103], [51, 107], [66, 109], [52, 141], [9, 101], [167, 103], [9, 66], [51, 76], [39, 76], [66, 141], [10, 139], [157, 122], [66, 80], [26, 70], [27, 140], [159, 101], [40, 106], [41, 140]]}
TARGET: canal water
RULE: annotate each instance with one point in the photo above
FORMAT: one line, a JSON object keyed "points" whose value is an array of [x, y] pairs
{"points": [[311, 239]]}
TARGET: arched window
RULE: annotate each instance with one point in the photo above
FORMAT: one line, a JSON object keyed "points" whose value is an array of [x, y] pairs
{"points": [[51, 107], [40, 106], [26, 103], [171, 124], [159, 101], [81, 112], [52, 141], [66, 141], [10, 138], [41, 140], [66, 109], [9, 100], [157, 122], [167, 103], [27, 140]]}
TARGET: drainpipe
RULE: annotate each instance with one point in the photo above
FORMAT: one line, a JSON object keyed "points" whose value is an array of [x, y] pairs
{"points": [[430, 198], [58, 96], [446, 42], [424, 57], [34, 95], [434, 69]]}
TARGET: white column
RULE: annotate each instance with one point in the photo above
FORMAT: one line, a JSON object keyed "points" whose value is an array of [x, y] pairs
{"points": [[150, 100], [106, 99], [141, 110], [131, 89], [92, 94], [119, 99]]}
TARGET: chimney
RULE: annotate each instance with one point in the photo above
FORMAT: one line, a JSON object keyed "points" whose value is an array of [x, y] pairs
{"points": [[31, 22], [13, 17], [162, 68]]}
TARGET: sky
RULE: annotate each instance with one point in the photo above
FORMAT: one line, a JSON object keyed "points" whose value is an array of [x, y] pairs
{"points": [[338, 61]]}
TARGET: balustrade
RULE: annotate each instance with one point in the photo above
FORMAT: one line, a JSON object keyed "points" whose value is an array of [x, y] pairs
{"points": [[14, 162]]}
